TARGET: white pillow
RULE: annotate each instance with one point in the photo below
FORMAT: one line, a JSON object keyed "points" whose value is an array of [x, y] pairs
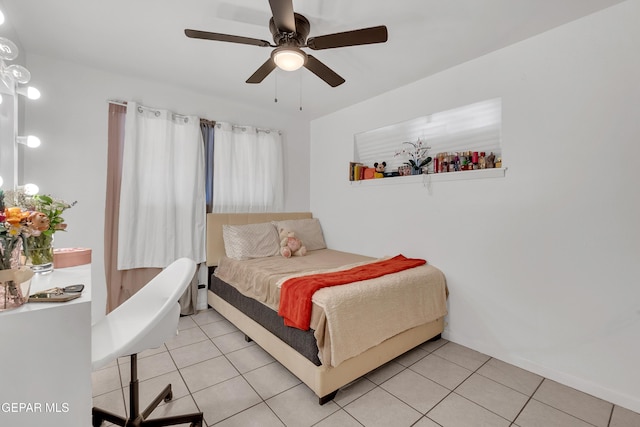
{"points": [[307, 230], [250, 240]]}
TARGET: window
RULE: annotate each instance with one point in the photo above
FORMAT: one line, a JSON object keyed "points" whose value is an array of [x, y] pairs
{"points": [[474, 127], [248, 169]]}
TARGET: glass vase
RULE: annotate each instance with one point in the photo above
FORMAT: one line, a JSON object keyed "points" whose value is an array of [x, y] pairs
{"points": [[38, 252], [10, 251], [14, 287]]}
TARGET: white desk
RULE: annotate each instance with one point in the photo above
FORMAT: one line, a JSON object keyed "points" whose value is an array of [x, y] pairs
{"points": [[45, 357]]}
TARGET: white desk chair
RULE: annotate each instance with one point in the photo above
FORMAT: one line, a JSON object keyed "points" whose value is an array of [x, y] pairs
{"points": [[146, 320]]}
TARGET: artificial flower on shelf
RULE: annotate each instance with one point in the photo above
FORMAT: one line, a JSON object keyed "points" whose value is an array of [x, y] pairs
{"points": [[417, 155]]}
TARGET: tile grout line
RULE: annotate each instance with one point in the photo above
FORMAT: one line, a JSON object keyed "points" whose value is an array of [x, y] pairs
{"points": [[204, 422], [240, 374], [222, 354], [404, 368], [124, 398], [613, 406], [469, 400], [526, 403], [529, 399], [560, 410], [450, 391], [505, 385]]}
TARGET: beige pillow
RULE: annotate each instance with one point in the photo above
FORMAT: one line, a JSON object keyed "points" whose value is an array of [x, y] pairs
{"points": [[250, 240], [307, 230]]}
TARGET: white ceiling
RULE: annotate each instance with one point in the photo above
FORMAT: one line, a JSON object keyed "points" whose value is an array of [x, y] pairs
{"points": [[145, 38]]}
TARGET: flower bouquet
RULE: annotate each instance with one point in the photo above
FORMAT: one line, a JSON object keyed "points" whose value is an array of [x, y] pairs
{"points": [[39, 217], [15, 281], [39, 248]]}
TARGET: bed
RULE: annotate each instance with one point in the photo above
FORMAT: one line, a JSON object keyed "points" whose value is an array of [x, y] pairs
{"points": [[353, 329]]}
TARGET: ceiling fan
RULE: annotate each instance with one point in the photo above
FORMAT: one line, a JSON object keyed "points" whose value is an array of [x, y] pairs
{"points": [[290, 31]]}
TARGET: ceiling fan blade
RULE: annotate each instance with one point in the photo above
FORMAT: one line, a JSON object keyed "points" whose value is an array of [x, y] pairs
{"points": [[322, 71], [349, 38], [262, 72], [195, 34], [283, 17]]}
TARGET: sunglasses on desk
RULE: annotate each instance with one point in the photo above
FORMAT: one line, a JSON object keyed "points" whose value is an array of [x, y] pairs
{"points": [[72, 289]]}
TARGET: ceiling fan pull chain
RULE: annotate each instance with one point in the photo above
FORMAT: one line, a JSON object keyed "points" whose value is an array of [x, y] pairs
{"points": [[300, 74], [275, 99]]}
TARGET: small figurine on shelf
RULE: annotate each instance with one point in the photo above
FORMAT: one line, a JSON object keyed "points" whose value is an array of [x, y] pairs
{"points": [[482, 162], [379, 173], [490, 160]]}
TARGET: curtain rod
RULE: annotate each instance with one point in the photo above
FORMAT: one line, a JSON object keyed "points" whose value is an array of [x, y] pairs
{"points": [[212, 122], [116, 102], [144, 107], [244, 128]]}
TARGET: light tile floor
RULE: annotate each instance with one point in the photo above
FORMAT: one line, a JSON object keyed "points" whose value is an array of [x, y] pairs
{"points": [[235, 383]]}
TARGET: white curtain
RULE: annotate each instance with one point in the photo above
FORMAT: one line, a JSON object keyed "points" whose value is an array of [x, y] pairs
{"points": [[248, 172], [162, 200]]}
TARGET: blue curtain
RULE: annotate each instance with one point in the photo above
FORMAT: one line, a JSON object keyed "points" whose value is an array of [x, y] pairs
{"points": [[206, 126]]}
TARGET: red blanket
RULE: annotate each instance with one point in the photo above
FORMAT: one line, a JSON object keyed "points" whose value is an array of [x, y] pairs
{"points": [[295, 293]]}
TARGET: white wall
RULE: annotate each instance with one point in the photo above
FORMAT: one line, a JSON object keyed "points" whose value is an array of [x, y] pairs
{"points": [[71, 120], [541, 264]]}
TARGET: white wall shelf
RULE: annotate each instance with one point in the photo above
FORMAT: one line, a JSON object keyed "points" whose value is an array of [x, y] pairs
{"points": [[436, 177]]}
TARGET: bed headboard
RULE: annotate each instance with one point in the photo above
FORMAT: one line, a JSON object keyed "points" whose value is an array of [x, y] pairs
{"points": [[215, 244]]}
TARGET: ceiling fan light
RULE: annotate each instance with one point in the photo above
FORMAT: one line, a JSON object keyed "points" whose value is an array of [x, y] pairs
{"points": [[289, 59]]}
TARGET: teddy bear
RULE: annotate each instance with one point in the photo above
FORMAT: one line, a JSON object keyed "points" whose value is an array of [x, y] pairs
{"points": [[290, 245], [379, 173]]}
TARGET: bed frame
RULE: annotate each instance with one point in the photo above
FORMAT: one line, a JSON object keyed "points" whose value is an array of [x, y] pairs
{"points": [[323, 380]]}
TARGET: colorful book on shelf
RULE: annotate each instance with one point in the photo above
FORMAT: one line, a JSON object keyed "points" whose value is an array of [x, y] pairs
{"points": [[356, 171], [369, 173], [352, 168]]}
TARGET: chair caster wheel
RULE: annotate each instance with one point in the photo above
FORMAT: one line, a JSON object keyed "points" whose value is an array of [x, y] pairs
{"points": [[168, 397]]}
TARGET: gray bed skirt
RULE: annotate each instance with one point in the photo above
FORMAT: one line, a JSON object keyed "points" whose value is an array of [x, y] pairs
{"points": [[302, 341]]}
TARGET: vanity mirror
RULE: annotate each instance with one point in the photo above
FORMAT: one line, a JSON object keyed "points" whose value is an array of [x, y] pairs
{"points": [[13, 78]]}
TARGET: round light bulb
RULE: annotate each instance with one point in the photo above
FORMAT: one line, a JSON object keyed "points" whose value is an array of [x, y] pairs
{"points": [[33, 141], [289, 59], [33, 93], [30, 92], [31, 189]]}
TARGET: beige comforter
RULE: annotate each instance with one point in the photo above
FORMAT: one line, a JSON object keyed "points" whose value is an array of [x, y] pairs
{"points": [[347, 320]]}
